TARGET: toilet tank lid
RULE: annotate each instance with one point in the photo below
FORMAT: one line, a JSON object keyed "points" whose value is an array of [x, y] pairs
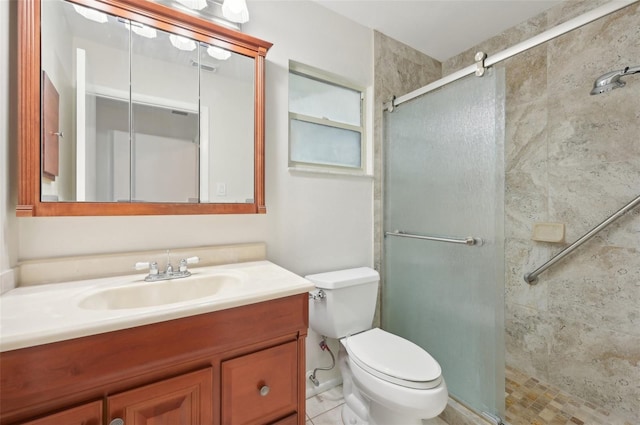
{"points": [[343, 278]]}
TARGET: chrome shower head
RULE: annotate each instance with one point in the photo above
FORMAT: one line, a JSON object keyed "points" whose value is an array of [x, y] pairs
{"points": [[611, 80]]}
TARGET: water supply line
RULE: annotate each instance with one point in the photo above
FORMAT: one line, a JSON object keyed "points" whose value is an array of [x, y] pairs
{"points": [[323, 347]]}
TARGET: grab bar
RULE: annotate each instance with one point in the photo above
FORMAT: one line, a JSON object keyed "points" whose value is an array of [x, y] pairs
{"points": [[531, 278], [466, 241]]}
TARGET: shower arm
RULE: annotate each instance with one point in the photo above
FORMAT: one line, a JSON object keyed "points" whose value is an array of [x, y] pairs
{"points": [[532, 277]]}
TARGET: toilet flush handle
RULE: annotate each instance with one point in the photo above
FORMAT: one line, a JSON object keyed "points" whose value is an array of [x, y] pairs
{"points": [[318, 295]]}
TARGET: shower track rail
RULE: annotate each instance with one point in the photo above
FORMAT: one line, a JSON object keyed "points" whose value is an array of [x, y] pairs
{"points": [[464, 241], [532, 277]]}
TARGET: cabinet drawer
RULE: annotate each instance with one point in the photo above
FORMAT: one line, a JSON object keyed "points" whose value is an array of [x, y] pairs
{"points": [[87, 414], [261, 387]]}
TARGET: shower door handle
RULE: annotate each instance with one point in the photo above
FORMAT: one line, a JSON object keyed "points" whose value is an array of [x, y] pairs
{"points": [[464, 241]]}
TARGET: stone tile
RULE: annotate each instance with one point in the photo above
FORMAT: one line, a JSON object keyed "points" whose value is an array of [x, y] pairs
{"points": [[526, 147], [324, 402], [527, 340], [331, 417], [596, 364], [600, 286], [592, 130], [592, 51], [570, 9], [523, 257], [526, 76], [562, 409], [584, 195]]}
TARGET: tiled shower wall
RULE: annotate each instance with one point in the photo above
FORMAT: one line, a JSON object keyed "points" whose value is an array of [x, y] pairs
{"points": [[575, 159], [569, 158]]}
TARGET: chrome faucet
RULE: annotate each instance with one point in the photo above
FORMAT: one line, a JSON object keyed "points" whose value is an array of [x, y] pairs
{"points": [[156, 275]]}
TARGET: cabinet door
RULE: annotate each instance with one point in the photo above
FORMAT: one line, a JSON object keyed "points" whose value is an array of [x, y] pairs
{"points": [[87, 414], [183, 400], [261, 387]]}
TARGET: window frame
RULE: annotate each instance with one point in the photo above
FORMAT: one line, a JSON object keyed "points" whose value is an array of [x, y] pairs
{"points": [[328, 78]]}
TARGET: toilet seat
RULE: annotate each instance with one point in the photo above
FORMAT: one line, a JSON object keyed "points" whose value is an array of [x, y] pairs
{"points": [[393, 359]]}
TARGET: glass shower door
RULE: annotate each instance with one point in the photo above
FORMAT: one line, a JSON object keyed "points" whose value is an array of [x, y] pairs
{"points": [[444, 177]]}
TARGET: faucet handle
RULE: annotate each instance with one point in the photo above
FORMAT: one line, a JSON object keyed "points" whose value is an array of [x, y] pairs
{"points": [[142, 265], [185, 261]]}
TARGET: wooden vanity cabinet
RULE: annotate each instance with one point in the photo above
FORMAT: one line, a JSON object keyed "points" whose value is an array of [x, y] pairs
{"points": [[241, 366], [86, 414]]}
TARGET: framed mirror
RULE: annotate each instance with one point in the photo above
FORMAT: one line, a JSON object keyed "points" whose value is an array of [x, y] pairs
{"points": [[128, 107]]}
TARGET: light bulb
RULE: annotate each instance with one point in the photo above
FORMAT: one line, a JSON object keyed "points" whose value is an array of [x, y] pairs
{"points": [[235, 11], [218, 53], [91, 14], [182, 43]]}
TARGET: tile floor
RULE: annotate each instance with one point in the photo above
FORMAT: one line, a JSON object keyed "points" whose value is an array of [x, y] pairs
{"points": [[531, 402], [324, 409], [528, 402]]}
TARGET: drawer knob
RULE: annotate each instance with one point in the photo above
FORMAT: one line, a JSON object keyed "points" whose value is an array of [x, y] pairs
{"points": [[116, 421], [264, 390]]}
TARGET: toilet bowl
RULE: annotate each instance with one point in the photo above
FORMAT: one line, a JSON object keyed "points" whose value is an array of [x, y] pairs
{"points": [[392, 374], [387, 380]]}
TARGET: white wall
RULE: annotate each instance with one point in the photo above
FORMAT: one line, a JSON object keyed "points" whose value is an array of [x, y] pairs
{"points": [[313, 222], [8, 150]]}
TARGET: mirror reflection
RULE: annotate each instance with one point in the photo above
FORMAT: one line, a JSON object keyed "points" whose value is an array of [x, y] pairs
{"points": [[132, 113]]}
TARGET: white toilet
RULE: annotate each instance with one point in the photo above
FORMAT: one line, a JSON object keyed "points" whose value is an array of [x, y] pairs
{"points": [[387, 380]]}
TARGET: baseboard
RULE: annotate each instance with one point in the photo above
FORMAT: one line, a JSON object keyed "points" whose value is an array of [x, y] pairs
{"points": [[312, 390]]}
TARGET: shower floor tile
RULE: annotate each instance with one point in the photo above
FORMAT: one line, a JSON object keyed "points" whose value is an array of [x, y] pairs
{"points": [[531, 402]]}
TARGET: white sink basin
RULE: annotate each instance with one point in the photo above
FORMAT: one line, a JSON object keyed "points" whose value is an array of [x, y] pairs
{"points": [[42, 314], [150, 294]]}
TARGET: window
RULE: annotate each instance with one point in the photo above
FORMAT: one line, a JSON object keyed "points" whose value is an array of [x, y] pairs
{"points": [[326, 122]]}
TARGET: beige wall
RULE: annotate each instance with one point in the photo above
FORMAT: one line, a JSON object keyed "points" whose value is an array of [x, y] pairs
{"points": [[573, 158]]}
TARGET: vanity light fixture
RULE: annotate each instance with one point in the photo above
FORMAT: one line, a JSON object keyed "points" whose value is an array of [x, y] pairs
{"points": [[182, 43], [194, 4], [235, 11], [141, 30], [218, 53], [91, 14]]}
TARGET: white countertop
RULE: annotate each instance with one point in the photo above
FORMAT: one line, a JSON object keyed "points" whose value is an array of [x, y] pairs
{"points": [[43, 314]]}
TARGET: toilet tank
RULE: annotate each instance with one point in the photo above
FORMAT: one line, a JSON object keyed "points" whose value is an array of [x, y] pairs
{"points": [[349, 303]]}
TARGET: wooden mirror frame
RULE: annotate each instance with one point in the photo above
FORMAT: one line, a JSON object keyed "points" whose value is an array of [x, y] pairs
{"points": [[29, 95]]}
